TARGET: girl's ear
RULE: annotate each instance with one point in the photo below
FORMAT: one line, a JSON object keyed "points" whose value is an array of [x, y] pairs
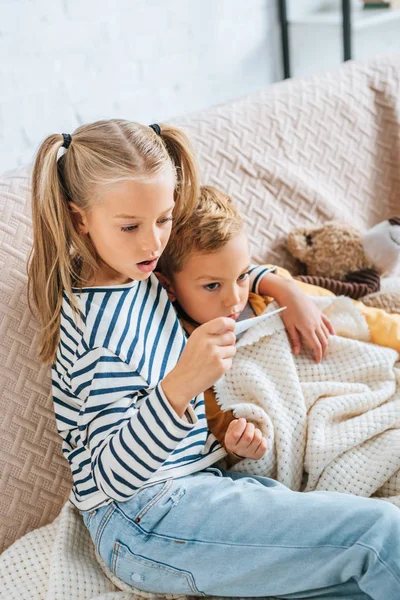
{"points": [[79, 218], [167, 285]]}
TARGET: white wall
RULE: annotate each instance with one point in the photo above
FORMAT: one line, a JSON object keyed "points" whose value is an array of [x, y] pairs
{"points": [[318, 45], [67, 62]]}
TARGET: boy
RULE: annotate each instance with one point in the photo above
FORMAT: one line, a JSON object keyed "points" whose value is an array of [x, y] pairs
{"points": [[205, 271]]}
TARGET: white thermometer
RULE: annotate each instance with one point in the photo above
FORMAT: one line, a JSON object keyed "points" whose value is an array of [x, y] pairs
{"points": [[242, 326]]}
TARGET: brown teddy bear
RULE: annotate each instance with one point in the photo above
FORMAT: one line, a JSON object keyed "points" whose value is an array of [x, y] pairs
{"points": [[348, 262]]}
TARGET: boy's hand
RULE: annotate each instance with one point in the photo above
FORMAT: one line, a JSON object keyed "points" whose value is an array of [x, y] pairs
{"points": [[303, 318], [245, 440]]}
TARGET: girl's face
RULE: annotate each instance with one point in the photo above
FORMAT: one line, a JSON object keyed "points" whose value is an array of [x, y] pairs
{"points": [[129, 228], [216, 284]]}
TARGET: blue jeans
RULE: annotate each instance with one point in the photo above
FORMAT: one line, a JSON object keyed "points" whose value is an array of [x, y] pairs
{"points": [[224, 533]]}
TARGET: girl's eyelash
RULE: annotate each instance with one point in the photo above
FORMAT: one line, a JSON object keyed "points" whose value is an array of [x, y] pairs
{"points": [[131, 228]]}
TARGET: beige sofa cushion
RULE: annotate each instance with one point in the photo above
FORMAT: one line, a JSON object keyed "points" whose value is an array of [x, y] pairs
{"points": [[296, 152], [34, 476], [306, 151]]}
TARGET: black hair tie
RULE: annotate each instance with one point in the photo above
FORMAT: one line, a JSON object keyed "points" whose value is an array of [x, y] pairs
{"points": [[156, 128], [67, 140]]}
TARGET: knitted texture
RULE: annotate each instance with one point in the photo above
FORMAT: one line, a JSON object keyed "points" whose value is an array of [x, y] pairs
{"points": [[302, 151], [338, 420], [298, 152], [58, 562]]}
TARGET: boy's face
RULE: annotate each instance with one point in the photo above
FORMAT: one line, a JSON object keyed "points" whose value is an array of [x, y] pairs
{"points": [[216, 284]]}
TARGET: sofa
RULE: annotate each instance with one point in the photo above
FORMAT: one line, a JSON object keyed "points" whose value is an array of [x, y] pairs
{"points": [[298, 152]]}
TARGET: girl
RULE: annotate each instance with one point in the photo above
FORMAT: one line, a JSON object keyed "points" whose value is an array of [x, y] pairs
{"points": [[128, 392]]}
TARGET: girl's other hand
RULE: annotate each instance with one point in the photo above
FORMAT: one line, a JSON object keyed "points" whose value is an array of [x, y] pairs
{"points": [[245, 440]]}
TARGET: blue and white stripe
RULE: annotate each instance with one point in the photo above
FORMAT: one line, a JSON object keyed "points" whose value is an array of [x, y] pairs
{"points": [[119, 431]]}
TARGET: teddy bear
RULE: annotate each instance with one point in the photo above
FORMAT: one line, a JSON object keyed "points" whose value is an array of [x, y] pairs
{"points": [[349, 262]]}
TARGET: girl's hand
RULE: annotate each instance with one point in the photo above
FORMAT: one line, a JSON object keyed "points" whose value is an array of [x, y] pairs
{"points": [[206, 357], [304, 319], [245, 440]]}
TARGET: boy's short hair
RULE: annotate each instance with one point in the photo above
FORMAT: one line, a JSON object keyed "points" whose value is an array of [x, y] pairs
{"points": [[214, 221]]}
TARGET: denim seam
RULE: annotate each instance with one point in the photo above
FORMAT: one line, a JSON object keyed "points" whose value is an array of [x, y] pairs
{"points": [[114, 556], [338, 546], [104, 520], [90, 517], [170, 538], [119, 550], [379, 558], [239, 544], [155, 499]]}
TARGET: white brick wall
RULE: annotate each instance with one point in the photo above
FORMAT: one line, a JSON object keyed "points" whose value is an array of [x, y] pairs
{"points": [[67, 62]]}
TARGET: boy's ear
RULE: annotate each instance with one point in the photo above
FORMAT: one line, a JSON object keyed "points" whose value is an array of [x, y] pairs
{"points": [[167, 285], [79, 218]]}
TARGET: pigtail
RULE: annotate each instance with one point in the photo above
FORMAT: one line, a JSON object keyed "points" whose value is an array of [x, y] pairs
{"points": [[50, 263], [101, 153], [187, 186]]}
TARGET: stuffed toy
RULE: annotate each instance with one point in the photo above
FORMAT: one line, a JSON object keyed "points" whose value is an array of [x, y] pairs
{"points": [[348, 262]]}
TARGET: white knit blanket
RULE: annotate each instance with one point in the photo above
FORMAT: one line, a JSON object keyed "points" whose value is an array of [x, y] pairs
{"points": [[58, 562], [339, 420], [330, 426]]}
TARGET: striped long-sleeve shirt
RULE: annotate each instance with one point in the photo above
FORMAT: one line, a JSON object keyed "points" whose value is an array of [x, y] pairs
{"points": [[119, 430]]}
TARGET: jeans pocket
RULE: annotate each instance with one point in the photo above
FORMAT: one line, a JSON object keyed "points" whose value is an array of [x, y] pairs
{"points": [[151, 576], [139, 507]]}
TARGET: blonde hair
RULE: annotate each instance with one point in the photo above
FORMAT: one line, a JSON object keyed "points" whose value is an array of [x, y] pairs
{"points": [[213, 222], [100, 153]]}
